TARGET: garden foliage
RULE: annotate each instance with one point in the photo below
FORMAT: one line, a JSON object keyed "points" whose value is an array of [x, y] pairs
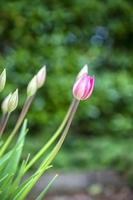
{"points": [[65, 35]]}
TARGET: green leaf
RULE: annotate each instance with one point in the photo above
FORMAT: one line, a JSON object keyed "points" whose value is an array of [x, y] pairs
{"points": [[4, 160], [12, 159], [17, 150], [41, 196], [27, 185], [19, 176]]}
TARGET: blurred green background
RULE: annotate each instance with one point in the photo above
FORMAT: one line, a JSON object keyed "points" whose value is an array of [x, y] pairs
{"points": [[65, 35]]}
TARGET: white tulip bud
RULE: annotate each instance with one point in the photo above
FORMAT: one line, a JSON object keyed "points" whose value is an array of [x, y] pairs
{"points": [[41, 76], [4, 105], [2, 80], [13, 101], [32, 87]]}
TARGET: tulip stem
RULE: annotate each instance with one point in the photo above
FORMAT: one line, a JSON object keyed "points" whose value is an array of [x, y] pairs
{"points": [[2, 120], [56, 149], [56, 134], [45, 163], [3, 123], [22, 114]]}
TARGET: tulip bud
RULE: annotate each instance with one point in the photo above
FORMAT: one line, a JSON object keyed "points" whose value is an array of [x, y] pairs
{"points": [[4, 105], [83, 86], [2, 80], [13, 101], [32, 87], [83, 71], [41, 76]]}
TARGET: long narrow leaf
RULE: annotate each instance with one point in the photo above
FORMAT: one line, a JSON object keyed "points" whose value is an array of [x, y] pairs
{"points": [[13, 161], [41, 196]]}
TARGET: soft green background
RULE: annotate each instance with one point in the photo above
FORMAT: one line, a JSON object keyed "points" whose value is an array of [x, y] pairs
{"points": [[65, 35]]}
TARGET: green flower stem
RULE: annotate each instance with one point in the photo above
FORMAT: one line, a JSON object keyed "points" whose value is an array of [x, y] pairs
{"points": [[56, 134], [54, 152], [18, 124], [56, 149], [3, 123], [2, 120]]}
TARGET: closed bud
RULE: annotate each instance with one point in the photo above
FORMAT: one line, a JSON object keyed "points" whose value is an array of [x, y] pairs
{"points": [[41, 76], [32, 87], [13, 101], [4, 105], [2, 80], [83, 86]]}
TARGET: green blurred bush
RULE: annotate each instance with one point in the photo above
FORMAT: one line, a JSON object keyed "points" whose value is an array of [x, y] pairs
{"points": [[65, 35]]}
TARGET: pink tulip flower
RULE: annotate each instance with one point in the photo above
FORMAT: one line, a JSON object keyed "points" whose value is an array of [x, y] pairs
{"points": [[83, 85]]}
